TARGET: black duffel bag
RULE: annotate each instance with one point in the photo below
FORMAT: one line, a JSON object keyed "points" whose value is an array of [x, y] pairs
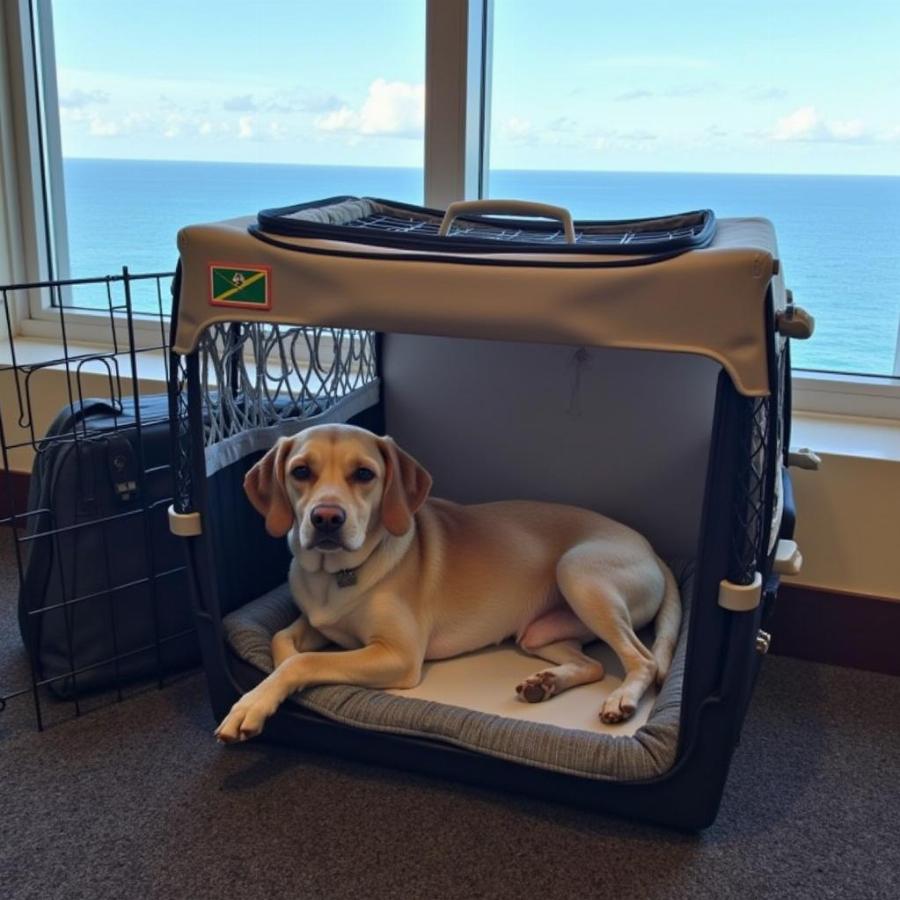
{"points": [[104, 596]]}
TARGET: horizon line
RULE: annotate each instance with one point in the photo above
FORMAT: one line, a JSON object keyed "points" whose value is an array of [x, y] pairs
{"points": [[227, 162]]}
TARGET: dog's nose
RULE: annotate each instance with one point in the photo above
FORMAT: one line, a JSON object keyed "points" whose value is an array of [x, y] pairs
{"points": [[326, 518]]}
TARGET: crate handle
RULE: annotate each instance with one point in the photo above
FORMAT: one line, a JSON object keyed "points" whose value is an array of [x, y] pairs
{"points": [[509, 208]]}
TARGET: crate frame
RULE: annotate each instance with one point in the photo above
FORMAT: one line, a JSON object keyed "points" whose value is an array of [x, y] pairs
{"points": [[120, 357]]}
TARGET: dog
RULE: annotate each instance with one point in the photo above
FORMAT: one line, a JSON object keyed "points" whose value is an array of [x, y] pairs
{"points": [[395, 578]]}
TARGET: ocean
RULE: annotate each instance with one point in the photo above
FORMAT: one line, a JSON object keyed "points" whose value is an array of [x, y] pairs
{"points": [[838, 236]]}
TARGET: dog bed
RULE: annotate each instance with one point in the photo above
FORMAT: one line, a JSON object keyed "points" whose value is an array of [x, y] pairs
{"points": [[469, 701]]}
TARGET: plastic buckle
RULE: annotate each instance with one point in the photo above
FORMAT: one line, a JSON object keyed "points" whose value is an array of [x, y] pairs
{"points": [[740, 597], [795, 322], [184, 524], [804, 458], [788, 558]]}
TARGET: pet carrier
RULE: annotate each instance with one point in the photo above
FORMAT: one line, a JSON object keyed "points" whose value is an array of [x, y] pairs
{"points": [[638, 368]]}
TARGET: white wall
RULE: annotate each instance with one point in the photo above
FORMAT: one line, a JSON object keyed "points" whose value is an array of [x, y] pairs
{"points": [[848, 525]]}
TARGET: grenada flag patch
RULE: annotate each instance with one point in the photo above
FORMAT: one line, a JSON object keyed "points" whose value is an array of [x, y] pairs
{"points": [[247, 287]]}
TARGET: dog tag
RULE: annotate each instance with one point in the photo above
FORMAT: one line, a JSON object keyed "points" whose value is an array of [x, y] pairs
{"points": [[345, 577]]}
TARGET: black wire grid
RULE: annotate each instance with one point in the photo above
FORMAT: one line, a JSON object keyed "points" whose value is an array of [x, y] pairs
{"points": [[118, 367], [547, 235], [761, 436], [383, 221]]}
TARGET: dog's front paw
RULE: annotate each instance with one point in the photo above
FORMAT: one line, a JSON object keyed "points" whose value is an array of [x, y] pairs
{"points": [[538, 687], [247, 716], [617, 708]]}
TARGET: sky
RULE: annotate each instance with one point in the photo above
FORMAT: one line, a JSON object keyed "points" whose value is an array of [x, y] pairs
{"points": [[728, 86]]}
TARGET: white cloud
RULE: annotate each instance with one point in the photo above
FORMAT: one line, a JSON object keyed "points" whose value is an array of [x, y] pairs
{"points": [[806, 124], [170, 125], [616, 139], [395, 108], [851, 130], [98, 127], [518, 129], [798, 126], [77, 98], [208, 128], [245, 127], [343, 119]]}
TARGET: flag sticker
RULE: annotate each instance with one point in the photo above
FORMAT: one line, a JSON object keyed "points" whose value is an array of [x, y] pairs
{"points": [[243, 286]]}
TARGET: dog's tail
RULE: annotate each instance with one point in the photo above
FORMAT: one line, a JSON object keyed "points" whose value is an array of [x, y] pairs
{"points": [[667, 625]]}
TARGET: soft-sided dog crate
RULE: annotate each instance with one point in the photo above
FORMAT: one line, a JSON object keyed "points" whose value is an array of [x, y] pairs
{"points": [[636, 368]]}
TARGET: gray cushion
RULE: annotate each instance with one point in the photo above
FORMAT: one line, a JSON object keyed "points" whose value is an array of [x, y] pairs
{"points": [[647, 753]]}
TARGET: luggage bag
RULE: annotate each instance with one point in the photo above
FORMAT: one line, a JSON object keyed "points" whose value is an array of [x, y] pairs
{"points": [[103, 594]]}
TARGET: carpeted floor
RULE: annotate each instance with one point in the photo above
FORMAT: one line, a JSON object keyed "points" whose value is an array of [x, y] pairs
{"points": [[135, 799]]}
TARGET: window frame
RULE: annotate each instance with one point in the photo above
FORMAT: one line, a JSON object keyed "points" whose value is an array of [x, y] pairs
{"points": [[456, 155]]}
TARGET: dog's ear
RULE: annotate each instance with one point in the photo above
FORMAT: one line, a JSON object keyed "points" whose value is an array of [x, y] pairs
{"points": [[406, 485], [264, 485]]}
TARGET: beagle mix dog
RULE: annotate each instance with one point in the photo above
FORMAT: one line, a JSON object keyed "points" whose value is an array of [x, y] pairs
{"points": [[394, 579]]}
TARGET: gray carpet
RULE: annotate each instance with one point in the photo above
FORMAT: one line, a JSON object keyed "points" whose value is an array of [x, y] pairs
{"points": [[135, 799]]}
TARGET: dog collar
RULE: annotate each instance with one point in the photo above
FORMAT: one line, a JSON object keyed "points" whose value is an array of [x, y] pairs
{"points": [[346, 577]]}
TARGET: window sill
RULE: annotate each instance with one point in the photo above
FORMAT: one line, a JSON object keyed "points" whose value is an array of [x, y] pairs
{"points": [[86, 359], [96, 329], [851, 396], [850, 436]]}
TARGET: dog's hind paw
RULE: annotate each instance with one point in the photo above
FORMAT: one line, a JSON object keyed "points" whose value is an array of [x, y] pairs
{"points": [[538, 687]]}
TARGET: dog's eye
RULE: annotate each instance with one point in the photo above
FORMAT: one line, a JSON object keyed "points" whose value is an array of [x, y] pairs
{"points": [[300, 473], [363, 474]]}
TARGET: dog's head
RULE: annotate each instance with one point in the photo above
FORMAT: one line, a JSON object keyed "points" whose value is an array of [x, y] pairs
{"points": [[340, 484]]}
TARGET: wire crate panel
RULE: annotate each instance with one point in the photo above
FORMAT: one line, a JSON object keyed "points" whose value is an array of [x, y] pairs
{"points": [[98, 602]]}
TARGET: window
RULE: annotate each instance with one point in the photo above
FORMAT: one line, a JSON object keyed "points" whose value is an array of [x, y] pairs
{"points": [[788, 111], [173, 113], [176, 113]]}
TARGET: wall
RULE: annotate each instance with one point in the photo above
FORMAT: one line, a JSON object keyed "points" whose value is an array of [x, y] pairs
{"points": [[848, 525]]}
